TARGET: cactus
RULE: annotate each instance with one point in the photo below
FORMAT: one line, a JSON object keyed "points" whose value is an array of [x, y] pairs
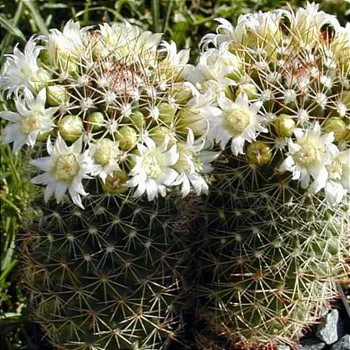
{"points": [[105, 113], [275, 223], [260, 124], [106, 277]]}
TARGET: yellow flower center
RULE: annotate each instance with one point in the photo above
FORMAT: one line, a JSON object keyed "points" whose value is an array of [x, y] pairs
{"points": [[237, 121], [67, 167], [335, 170], [106, 150], [306, 155], [152, 166], [30, 124]]}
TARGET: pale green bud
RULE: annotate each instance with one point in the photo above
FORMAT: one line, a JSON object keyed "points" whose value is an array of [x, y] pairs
{"points": [[127, 138], [284, 125], [259, 153], [41, 80], [158, 134], [167, 112], [249, 89], [138, 119], [181, 93], [338, 127], [116, 184], [56, 95], [96, 121], [70, 127], [106, 150]]}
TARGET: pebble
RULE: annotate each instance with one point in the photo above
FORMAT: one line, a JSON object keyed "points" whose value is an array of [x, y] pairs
{"points": [[342, 343], [311, 344], [327, 331]]}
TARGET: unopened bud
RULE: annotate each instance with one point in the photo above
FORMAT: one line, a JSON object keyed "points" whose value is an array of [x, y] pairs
{"points": [[96, 121], [115, 184], [338, 127], [167, 112], [284, 125], [127, 137], [56, 95], [181, 93], [138, 119], [259, 153], [70, 127], [249, 89], [158, 135]]}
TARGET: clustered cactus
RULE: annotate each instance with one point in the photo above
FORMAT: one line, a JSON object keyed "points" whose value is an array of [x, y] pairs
{"points": [[260, 127]]}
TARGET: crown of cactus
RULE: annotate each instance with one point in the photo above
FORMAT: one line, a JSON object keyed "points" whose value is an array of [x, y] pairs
{"points": [[277, 215], [107, 103], [281, 82]]}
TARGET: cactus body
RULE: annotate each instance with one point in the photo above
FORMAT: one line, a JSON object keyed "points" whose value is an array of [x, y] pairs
{"points": [[105, 277], [267, 268]]}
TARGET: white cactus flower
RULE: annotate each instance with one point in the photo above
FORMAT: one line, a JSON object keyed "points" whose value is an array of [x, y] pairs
{"points": [[309, 155], [106, 156], [153, 171], [193, 162], [64, 169], [31, 120], [21, 70], [338, 182], [239, 121]]}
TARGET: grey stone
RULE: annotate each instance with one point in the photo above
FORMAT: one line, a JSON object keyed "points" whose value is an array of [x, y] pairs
{"points": [[283, 347], [342, 343], [327, 331], [311, 344]]}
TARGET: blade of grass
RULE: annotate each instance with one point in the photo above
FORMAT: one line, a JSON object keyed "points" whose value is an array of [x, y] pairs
{"points": [[155, 16], [39, 21], [5, 23], [8, 37], [167, 16]]}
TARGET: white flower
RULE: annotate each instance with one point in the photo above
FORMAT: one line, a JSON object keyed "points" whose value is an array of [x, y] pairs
{"points": [[67, 46], [22, 69], [64, 170], [217, 65], [152, 172], [31, 120], [126, 40], [239, 121], [198, 111], [106, 155], [308, 156], [193, 161], [338, 183], [307, 22]]}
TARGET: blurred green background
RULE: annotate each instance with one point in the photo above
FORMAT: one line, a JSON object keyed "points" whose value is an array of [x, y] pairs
{"points": [[184, 22]]}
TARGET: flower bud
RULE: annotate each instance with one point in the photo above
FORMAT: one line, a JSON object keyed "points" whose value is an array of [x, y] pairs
{"points": [[181, 93], [158, 134], [127, 137], [249, 89], [106, 150], [56, 95], [70, 127], [338, 127], [166, 112], [96, 120], [138, 119], [284, 125], [259, 153], [115, 184]]}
